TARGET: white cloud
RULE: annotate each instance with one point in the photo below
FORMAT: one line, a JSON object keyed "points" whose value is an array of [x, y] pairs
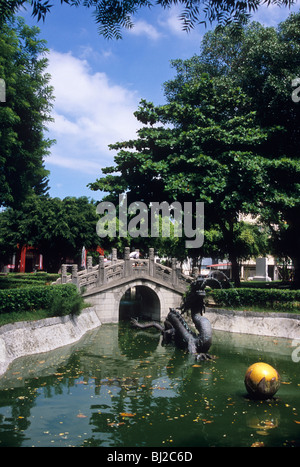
{"points": [[272, 15], [87, 52], [171, 22], [142, 28], [81, 165], [90, 112]]}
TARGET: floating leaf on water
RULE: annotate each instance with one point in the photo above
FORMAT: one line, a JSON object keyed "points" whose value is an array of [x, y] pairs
{"points": [[114, 424], [269, 424], [257, 444]]}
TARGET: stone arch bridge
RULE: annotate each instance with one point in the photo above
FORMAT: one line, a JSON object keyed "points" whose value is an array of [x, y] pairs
{"points": [[119, 289]]}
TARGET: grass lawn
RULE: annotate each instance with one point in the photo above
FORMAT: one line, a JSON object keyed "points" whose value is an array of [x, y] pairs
{"points": [[9, 318]]}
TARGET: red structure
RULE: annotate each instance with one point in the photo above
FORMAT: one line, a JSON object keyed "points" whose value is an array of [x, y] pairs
{"points": [[29, 259]]}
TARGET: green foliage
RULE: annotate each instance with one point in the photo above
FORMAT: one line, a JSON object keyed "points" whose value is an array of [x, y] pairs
{"points": [[61, 305], [114, 15], [228, 136], [58, 300], [282, 300], [263, 62], [267, 285], [12, 281], [24, 115], [207, 150], [59, 228]]}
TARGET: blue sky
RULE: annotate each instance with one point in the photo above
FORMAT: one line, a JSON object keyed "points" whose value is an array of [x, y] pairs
{"points": [[98, 84]]}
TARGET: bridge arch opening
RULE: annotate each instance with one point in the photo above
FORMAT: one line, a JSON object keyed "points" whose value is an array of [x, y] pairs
{"points": [[140, 301]]}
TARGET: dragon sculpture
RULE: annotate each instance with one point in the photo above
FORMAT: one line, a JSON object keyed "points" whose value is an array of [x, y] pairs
{"points": [[176, 329]]}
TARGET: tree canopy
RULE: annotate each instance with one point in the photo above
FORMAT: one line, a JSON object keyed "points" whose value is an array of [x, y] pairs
{"points": [[58, 228], [24, 114], [203, 146], [113, 15], [265, 63], [228, 136]]}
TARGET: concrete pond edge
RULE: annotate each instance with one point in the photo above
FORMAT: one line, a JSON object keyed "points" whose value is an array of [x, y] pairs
{"points": [[273, 324], [32, 337]]}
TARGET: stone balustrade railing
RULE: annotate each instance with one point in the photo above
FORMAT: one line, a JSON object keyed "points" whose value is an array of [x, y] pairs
{"points": [[107, 272]]}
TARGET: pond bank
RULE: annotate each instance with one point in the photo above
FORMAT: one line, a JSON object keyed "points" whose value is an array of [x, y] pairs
{"points": [[31, 337], [286, 325]]}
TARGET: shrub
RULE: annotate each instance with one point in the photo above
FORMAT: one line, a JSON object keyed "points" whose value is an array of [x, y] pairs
{"points": [[58, 300], [265, 298], [266, 285], [12, 280], [62, 306]]}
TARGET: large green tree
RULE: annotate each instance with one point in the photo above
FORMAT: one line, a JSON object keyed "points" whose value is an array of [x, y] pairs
{"points": [[265, 64], [114, 15], [228, 136], [24, 114], [202, 146]]}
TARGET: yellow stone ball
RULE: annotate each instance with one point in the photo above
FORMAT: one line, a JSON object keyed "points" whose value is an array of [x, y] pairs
{"points": [[262, 381]]}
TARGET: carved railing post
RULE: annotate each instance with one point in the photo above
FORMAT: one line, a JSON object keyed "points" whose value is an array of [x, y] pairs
{"points": [[151, 262], [101, 273], [127, 265], [89, 263], [64, 274], [114, 255], [174, 271], [75, 274], [195, 272]]}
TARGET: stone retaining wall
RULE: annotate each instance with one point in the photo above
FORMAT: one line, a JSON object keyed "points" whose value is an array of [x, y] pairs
{"points": [[31, 337], [285, 325]]}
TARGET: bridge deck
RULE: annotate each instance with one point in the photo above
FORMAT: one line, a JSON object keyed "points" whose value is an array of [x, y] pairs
{"points": [[109, 274]]}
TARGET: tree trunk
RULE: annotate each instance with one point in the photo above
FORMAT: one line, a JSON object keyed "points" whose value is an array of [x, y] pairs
{"points": [[296, 263], [235, 267]]}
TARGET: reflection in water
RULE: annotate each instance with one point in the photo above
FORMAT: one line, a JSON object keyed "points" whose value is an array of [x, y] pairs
{"points": [[120, 387]]}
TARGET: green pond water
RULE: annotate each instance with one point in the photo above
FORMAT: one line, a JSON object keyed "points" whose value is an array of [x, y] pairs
{"points": [[119, 387]]}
